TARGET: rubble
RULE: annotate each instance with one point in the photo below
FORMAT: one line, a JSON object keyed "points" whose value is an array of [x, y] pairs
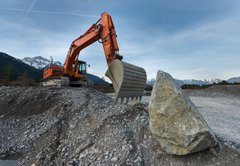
{"points": [[80, 126], [175, 121]]}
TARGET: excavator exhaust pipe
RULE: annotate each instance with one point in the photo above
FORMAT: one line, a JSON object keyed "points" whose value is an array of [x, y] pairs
{"points": [[128, 80]]}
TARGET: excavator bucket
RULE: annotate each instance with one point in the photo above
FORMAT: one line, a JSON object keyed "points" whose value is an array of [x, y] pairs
{"points": [[128, 80]]}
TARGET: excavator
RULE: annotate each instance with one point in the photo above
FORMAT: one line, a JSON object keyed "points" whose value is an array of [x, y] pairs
{"points": [[128, 80]]}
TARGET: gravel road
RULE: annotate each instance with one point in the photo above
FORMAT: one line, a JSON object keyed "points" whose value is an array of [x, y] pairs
{"points": [[222, 115]]}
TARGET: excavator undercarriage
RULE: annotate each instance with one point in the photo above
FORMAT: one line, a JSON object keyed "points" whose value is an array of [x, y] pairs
{"points": [[57, 81]]}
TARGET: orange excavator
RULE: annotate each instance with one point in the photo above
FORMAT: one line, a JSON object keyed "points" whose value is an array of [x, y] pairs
{"points": [[128, 80]]}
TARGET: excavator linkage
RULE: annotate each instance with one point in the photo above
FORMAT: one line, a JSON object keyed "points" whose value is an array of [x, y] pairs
{"points": [[128, 80]]}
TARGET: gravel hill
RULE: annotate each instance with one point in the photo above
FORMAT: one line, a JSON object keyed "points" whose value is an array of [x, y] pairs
{"points": [[80, 126]]}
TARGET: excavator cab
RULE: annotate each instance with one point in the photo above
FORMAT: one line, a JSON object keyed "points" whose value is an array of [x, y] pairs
{"points": [[79, 77], [82, 68]]}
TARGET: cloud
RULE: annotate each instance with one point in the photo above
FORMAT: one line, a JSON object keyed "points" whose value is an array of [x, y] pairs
{"points": [[50, 12], [172, 40], [208, 49]]}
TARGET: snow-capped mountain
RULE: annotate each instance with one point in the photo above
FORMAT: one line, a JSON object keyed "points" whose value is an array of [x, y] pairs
{"points": [[211, 81], [192, 81], [181, 82], [233, 79], [38, 62], [151, 81], [199, 82]]}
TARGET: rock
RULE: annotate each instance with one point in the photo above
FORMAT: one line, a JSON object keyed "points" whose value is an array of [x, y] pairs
{"points": [[114, 159], [84, 146], [26, 132], [138, 159], [123, 147], [175, 121], [82, 155]]}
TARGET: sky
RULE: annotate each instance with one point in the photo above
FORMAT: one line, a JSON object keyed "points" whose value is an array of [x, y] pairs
{"points": [[190, 39]]}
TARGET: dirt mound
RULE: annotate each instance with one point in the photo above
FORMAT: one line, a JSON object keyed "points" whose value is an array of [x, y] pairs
{"points": [[19, 101], [218, 90], [79, 126]]}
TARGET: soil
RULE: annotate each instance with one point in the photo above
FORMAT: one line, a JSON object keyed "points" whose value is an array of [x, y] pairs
{"points": [[80, 126]]}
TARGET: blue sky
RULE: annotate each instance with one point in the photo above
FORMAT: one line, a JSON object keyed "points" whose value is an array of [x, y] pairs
{"points": [[190, 39]]}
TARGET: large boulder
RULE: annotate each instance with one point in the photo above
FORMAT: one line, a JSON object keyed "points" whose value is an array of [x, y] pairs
{"points": [[175, 121]]}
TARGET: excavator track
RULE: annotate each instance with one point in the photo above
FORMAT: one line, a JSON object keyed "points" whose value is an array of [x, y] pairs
{"points": [[56, 81], [128, 80]]}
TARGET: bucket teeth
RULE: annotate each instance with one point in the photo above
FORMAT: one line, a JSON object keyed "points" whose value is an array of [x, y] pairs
{"points": [[127, 100], [122, 100]]}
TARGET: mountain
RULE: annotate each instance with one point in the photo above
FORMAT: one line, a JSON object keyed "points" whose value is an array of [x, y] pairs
{"points": [[192, 81], [233, 79], [12, 68], [151, 81], [38, 62], [212, 81], [199, 82], [96, 80], [182, 82], [31, 67]]}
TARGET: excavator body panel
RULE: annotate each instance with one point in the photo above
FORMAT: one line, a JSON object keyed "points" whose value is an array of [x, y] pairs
{"points": [[53, 76], [52, 70]]}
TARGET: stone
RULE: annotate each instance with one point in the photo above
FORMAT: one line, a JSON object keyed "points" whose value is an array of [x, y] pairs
{"points": [[175, 121], [114, 159], [84, 146], [138, 159]]}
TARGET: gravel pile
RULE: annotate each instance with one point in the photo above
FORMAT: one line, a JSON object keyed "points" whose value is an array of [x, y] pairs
{"points": [[79, 126]]}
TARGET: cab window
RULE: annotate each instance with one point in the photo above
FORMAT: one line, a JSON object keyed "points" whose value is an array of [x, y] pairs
{"points": [[82, 68]]}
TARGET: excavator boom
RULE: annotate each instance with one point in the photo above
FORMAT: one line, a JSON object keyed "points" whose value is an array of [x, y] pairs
{"points": [[128, 80]]}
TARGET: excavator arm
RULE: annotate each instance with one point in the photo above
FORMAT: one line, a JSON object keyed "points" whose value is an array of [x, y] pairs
{"points": [[103, 32]]}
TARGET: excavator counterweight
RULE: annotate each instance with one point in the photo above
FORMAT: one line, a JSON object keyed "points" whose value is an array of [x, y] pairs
{"points": [[128, 80]]}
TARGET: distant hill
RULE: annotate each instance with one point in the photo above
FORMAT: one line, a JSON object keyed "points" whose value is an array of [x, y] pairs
{"points": [[182, 82], [12, 68], [233, 79], [190, 81], [199, 82], [97, 80]]}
